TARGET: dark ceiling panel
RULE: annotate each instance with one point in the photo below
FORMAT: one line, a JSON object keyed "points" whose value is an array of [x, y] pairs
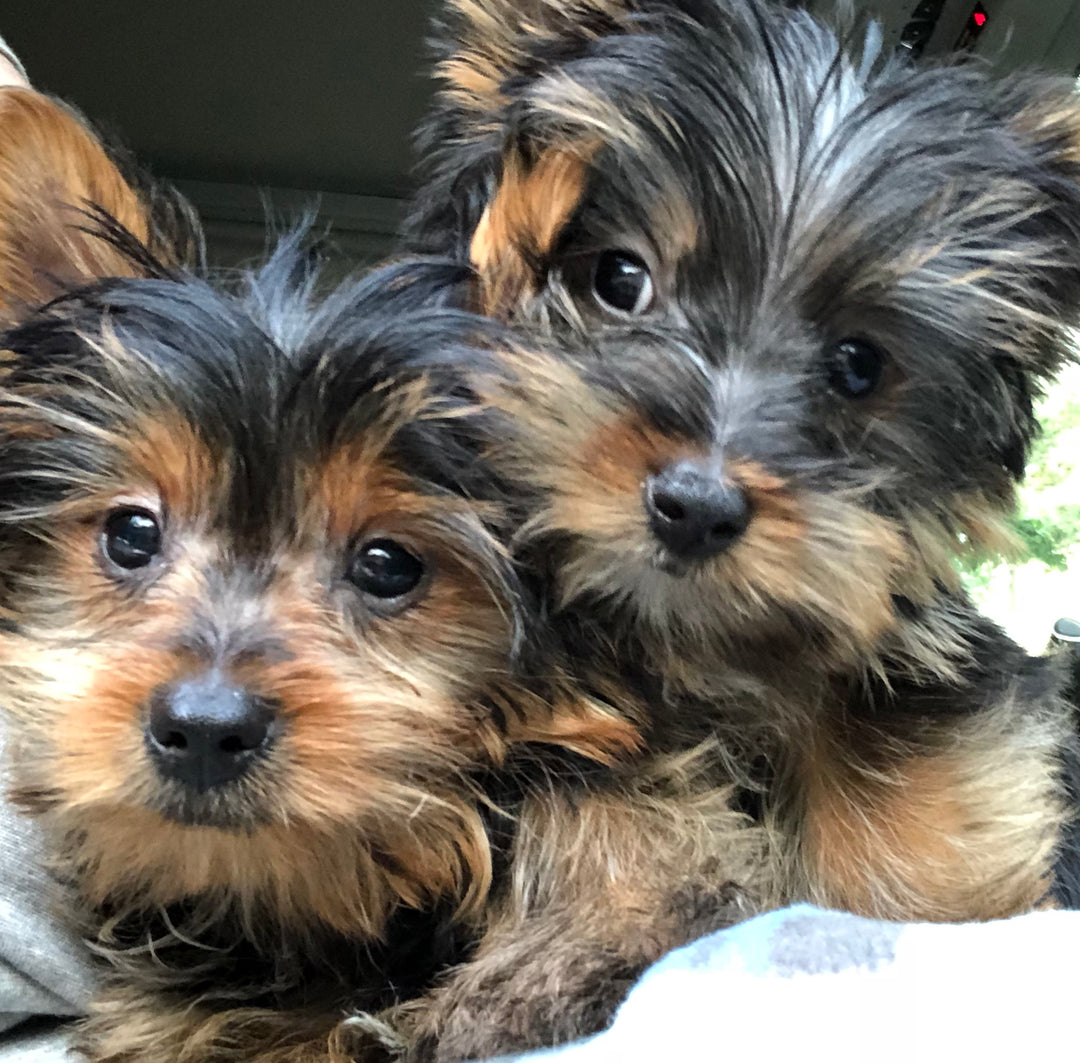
{"points": [[317, 96], [225, 95]]}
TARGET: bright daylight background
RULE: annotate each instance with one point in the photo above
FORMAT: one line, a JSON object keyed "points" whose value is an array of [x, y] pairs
{"points": [[1027, 595]]}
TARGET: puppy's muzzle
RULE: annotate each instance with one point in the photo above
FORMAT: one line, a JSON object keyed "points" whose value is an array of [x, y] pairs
{"points": [[694, 511], [207, 731]]}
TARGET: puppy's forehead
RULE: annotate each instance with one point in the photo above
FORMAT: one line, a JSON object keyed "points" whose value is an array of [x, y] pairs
{"points": [[256, 487], [229, 428], [709, 106], [745, 142]]}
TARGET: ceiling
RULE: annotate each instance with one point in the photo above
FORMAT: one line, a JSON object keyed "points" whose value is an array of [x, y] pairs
{"points": [[224, 96]]}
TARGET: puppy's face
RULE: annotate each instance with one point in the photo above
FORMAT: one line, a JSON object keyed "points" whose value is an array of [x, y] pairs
{"points": [[251, 597], [805, 305]]}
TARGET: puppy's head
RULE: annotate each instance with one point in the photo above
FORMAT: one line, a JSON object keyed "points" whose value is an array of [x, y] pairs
{"points": [[261, 627], [806, 297]]}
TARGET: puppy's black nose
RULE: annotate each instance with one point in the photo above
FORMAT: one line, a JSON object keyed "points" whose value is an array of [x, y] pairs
{"points": [[694, 512], [207, 731]]}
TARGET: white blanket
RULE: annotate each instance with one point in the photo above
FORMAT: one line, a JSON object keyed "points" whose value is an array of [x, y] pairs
{"points": [[806, 984]]}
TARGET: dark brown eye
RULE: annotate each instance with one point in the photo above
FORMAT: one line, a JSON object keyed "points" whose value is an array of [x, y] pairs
{"points": [[385, 569], [131, 538], [855, 368], [621, 281]]}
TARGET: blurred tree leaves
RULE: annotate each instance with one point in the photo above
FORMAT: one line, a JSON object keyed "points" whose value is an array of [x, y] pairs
{"points": [[1044, 541], [1047, 524]]}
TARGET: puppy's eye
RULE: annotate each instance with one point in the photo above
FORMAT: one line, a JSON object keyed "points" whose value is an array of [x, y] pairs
{"points": [[621, 281], [385, 569], [132, 538], [855, 368]]}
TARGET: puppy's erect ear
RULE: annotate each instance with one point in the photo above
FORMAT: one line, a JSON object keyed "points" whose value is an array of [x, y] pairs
{"points": [[1045, 115], [486, 50], [491, 56], [55, 176], [483, 43]]}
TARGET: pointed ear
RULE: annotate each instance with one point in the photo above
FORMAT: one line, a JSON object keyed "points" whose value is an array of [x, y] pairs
{"points": [[1046, 119], [521, 225], [486, 51], [483, 43], [55, 177]]}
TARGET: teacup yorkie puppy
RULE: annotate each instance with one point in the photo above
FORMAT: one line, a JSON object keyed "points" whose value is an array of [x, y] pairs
{"points": [[293, 723], [807, 295]]}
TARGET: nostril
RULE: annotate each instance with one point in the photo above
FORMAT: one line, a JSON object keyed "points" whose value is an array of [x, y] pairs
{"points": [[163, 729], [667, 506], [253, 732]]}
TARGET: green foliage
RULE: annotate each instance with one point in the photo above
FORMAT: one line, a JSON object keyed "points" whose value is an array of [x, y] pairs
{"points": [[1047, 524], [1049, 521], [1044, 541]]}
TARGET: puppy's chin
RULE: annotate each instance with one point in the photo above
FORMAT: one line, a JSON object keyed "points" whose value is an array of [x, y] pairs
{"points": [[226, 808], [744, 602], [666, 563], [649, 583]]}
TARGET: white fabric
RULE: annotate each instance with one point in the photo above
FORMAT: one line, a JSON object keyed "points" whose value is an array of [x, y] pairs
{"points": [[45, 970], [809, 984]]}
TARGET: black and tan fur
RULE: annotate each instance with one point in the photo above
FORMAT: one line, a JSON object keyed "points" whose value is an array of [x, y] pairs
{"points": [[440, 826], [784, 190]]}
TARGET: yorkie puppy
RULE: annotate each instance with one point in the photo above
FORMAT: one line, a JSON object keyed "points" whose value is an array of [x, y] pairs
{"points": [[266, 666], [807, 295]]}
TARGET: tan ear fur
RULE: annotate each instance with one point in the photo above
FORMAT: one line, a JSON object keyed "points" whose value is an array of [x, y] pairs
{"points": [[491, 39], [52, 170]]}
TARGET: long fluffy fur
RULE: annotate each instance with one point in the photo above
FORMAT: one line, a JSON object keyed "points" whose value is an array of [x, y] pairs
{"points": [[787, 187]]}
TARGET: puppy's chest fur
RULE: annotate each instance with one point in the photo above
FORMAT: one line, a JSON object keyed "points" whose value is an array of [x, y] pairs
{"points": [[221, 957], [187, 955]]}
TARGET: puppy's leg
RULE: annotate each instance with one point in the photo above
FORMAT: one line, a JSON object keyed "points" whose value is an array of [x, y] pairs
{"points": [[952, 820], [602, 886]]}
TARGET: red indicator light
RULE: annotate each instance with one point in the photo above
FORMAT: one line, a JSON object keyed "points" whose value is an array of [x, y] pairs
{"points": [[976, 23]]}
